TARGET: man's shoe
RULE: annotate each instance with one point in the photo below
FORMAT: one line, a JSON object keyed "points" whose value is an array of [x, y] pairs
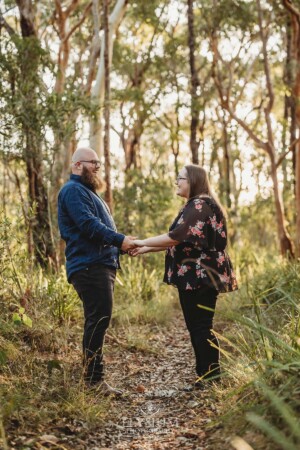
{"points": [[102, 387]]}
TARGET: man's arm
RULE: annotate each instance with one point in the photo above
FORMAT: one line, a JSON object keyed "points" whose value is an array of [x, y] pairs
{"points": [[80, 209]]}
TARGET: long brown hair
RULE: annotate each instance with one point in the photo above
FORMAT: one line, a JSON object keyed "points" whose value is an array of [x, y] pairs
{"points": [[199, 184]]}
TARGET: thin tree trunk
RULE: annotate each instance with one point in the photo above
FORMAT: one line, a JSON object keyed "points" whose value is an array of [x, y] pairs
{"points": [[194, 142], [108, 192], [97, 93], [64, 147], [286, 246], [226, 163], [295, 104]]}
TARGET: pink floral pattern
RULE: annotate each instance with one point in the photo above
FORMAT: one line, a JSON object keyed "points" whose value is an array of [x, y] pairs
{"points": [[200, 258], [182, 270], [221, 259], [197, 229], [170, 273], [187, 250]]}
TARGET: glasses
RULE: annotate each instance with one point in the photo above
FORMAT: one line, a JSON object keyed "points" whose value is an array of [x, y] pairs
{"points": [[92, 161]]}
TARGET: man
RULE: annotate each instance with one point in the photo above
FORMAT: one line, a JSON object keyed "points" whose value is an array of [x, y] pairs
{"points": [[92, 256]]}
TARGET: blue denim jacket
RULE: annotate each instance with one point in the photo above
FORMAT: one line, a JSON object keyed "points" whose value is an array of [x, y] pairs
{"points": [[85, 223]]}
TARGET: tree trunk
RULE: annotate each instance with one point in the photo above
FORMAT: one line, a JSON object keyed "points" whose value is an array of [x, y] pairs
{"points": [[29, 54], [64, 148], [194, 142], [295, 110], [130, 146], [226, 163], [297, 174], [97, 93], [286, 246], [108, 192]]}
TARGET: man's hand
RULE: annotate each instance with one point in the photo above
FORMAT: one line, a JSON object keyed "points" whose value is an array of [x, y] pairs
{"points": [[128, 243]]}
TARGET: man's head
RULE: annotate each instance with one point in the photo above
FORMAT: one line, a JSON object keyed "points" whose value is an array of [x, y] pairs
{"points": [[85, 163]]}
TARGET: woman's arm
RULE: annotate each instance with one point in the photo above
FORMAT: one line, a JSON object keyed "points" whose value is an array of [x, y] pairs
{"points": [[163, 241], [141, 250]]}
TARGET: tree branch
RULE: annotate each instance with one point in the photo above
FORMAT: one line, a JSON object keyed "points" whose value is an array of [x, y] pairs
{"points": [[71, 7], [77, 25], [264, 40], [291, 8], [290, 148]]}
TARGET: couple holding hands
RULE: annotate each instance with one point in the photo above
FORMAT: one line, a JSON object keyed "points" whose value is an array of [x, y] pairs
{"points": [[196, 261]]}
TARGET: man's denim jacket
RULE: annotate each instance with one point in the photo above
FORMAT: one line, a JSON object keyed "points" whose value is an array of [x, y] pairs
{"points": [[85, 223]]}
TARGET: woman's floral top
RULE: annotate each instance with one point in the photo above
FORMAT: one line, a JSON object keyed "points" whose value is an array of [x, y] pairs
{"points": [[200, 257]]}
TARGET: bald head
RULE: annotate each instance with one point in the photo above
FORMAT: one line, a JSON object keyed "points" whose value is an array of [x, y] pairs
{"points": [[84, 153], [85, 158]]}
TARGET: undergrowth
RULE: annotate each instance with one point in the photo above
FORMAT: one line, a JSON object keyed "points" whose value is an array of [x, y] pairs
{"points": [[41, 325], [262, 357]]}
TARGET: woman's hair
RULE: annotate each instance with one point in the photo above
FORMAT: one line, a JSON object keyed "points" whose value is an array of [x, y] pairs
{"points": [[199, 183]]}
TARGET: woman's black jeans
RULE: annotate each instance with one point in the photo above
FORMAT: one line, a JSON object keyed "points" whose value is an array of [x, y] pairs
{"points": [[95, 286], [199, 322]]}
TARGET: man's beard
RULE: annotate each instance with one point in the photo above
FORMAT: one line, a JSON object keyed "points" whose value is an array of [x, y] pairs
{"points": [[91, 180]]}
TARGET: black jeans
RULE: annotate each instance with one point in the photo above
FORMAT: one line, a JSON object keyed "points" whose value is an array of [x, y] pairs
{"points": [[95, 286], [199, 322]]}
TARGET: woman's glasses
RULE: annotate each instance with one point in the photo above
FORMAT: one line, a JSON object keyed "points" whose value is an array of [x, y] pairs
{"points": [[180, 178]]}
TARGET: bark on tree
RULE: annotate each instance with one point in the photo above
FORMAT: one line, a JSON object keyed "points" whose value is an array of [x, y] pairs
{"points": [[97, 93], [172, 124], [194, 141], [108, 191], [29, 54], [295, 84], [64, 147], [226, 163], [290, 106]]}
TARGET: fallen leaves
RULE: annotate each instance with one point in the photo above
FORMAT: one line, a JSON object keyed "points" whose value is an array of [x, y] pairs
{"points": [[155, 413]]}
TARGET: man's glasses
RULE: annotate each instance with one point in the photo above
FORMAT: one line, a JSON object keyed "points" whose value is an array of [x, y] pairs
{"points": [[93, 161]]}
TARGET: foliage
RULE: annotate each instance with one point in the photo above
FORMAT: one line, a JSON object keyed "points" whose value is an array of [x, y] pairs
{"points": [[265, 338], [141, 295], [138, 206]]}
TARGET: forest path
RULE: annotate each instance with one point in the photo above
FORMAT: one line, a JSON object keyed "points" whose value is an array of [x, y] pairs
{"points": [[152, 364], [155, 412]]}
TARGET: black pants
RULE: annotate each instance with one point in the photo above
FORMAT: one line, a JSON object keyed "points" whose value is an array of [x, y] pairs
{"points": [[200, 323], [95, 286]]}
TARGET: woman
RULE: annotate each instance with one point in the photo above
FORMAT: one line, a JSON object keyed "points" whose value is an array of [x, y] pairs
{"points": [[197, 264]]}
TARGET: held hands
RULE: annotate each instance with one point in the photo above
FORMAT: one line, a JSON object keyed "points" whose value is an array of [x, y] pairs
{"points": [[133, 246], [128, 243], [138, 251]]}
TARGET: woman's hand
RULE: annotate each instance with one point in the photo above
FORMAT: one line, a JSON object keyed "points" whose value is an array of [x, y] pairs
{"points": [[139, 242], [138, 251]]}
